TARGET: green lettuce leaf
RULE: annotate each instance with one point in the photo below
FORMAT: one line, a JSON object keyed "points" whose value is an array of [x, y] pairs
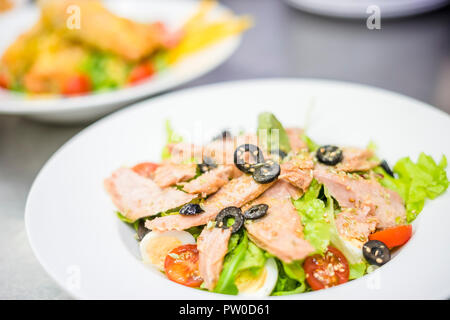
{"points": [[295, 271], [312, 146], [357, 270], [123, 218], [254, 259], [171, 137], [372, 146], [242, 255], [160, 60], [195, 231], [291, 278], [234, 241], [314, 217], [134, 224], [417, 182], [232, 260], [271, 133], [320, 229], [106, 71]]}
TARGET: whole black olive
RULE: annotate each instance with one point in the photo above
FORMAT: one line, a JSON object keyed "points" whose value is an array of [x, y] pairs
{"points": [[256, 211], [266, 172], [206, 165], [190, 209], [224, 135], [279, 154], [329, 155], [386, 168], [239, 157], [376, 252], [230, 213], [141, 230]]}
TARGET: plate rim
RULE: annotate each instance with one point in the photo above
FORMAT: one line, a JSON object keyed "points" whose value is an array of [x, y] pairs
{"points": [[357, 10]]}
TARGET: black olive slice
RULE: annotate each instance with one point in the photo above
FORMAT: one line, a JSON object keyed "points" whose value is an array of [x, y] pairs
{"points": [[230, 213], [329, 155], [266, 172], [386, 168], [278, 154], [239, 157], [206, 165], [256, 211], [141, 230], [376, 252], [190, 209]]}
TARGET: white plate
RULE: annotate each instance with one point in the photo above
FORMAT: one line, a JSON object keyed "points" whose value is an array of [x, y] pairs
{"points": [[93, 106], [78, 239], [357, 8]]}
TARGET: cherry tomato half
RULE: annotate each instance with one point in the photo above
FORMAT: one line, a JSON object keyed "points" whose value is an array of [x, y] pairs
{"points": [[145, 169], [181, 266], [328, 270], [141, 72], [76, 85], [3, 81], [393, 237]]}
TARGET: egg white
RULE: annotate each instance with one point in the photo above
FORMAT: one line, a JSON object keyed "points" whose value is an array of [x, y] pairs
{"points": [[155, 246], [351, 248], [271, 276]]}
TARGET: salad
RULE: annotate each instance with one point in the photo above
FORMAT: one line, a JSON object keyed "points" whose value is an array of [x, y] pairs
{"points": [[68, 55], [271, 212]]}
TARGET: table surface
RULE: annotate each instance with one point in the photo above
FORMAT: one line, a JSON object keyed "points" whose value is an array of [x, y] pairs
{"points": [[410, 56]]}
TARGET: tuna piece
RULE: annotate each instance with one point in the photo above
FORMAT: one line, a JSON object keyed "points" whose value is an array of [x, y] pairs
{"points": [[355, 225], [212, 245], [298, 171], [184, 152], [137, 197], [169, 174], [221, 150], [209, 182], [280, 231], [353, 191], [295, 139], [355, 159], [236, 193]]}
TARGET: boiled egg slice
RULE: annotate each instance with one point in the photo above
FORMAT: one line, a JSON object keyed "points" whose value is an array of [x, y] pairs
{"points": [[155, 246], [352, 250], [259, 285]]}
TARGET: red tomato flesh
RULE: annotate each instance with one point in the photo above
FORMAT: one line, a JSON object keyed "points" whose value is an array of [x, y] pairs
{"points": [[328, 270], [76, 85], [145, 169], [393, 237], [3, 81], [181, 266], [141, 72]]}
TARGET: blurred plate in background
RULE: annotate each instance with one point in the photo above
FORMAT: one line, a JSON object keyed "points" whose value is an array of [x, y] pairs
{"points": [[92, 106], [357, 8]]}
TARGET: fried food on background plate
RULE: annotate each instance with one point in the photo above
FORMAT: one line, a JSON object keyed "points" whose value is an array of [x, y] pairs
{"points": [[106, 51], [104, 30], [5, 5]]}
